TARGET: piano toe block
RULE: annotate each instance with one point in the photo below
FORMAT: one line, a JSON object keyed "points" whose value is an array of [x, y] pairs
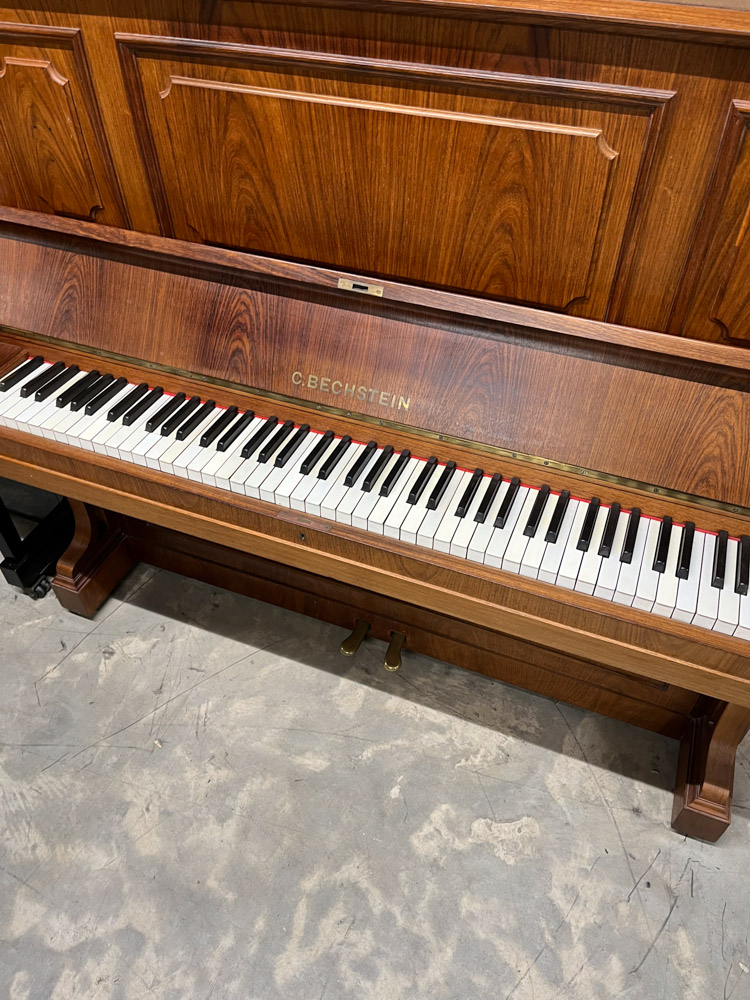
{"points": [[94, 563], [705, 771]]}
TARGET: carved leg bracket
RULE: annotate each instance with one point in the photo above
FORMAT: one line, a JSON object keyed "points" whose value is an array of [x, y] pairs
{"points": [[96, 561], [705, 772]]}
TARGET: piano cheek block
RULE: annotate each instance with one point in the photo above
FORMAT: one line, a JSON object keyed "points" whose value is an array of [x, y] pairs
{"points": [[600, 573]]}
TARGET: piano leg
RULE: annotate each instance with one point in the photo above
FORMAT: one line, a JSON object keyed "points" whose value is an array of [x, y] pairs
{"points": [[705, 772], [94, 563]]}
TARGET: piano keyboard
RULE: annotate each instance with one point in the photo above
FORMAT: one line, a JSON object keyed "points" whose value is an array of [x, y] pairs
{"points": [[621, 556]]}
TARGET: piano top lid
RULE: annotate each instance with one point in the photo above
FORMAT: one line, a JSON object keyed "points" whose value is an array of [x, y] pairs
{"points": [[626, 403]]}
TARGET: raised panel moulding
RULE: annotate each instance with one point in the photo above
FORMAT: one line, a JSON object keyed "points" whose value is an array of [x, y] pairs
{"points": [[531, 209]]}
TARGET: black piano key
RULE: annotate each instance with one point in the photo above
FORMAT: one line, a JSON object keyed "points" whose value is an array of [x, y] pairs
{"points": [[105, 395], [335, 457], [558, 514], [121, 408], [686, 551], [278, 439], [718, 573], [441, 486], [742, 572], [135, 412], [87, 394], [192, 422], [605, 549], [316, 453], [508, 500], [41, 380], [67, 397], [628, 546], [289, 449], [259, 437], [220, 424], [362, 459], [57, 383], [419, 484], [587, 530], [165, 412], [536, 512], [469, 493], [662, 545], [489, 495], [393, 476], [177, 419], [21, 373], [235, 430], [380, 463]]}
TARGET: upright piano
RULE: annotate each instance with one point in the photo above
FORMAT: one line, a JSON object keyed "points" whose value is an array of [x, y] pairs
{"points": [[428, 318]]}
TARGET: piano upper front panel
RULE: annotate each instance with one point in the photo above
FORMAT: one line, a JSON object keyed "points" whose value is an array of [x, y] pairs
{"points": [[481, 382], [576, 182], [455, 179]]}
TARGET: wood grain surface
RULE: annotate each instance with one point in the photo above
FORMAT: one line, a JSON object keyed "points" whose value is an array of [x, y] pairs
{"points": [[563, 156]]}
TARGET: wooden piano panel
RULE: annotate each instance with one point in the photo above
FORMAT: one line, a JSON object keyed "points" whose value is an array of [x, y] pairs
{"points": [[289, 331], [54, 153], [519, 190], [721, 260]]}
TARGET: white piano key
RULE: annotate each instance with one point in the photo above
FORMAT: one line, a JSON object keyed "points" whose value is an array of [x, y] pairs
{"points": [[461, 540], [22, 416], [306, 485], [35, 421], [253, 473], [97, 422], [389, 512], [588, 572], [294, 476], [687, 590], [449, 524], [225, 464], [572, 555], [13, 402], [648, 578], [532, 557], [555, 551], [58, 413], [606, 583], [367, 501], [707, 610], [627, 582], [511, 536], [10, 398], [418, 512], [666, 592], [434, 518], [728, 617], [743, 628], [278, 474], [168, 461], [326, 495], [195, 465], [484, 531], [189, 455], [119, 444], [66, 424]]}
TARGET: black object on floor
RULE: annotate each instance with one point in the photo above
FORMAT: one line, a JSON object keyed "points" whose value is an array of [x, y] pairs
{"points": [[35, 529]]}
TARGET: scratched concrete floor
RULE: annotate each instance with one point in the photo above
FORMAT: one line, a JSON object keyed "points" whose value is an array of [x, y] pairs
{"points": [[202, 799]]}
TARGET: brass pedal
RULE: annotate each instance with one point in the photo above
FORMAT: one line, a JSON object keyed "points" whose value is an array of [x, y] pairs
{"points": [[351, 644], [393, 653]]}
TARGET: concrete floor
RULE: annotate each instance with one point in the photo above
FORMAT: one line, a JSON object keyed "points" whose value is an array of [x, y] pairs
{"points": [[202, 799]]}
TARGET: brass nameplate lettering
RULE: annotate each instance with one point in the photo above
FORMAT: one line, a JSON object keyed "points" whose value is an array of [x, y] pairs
{"points": [[352, 391]]}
